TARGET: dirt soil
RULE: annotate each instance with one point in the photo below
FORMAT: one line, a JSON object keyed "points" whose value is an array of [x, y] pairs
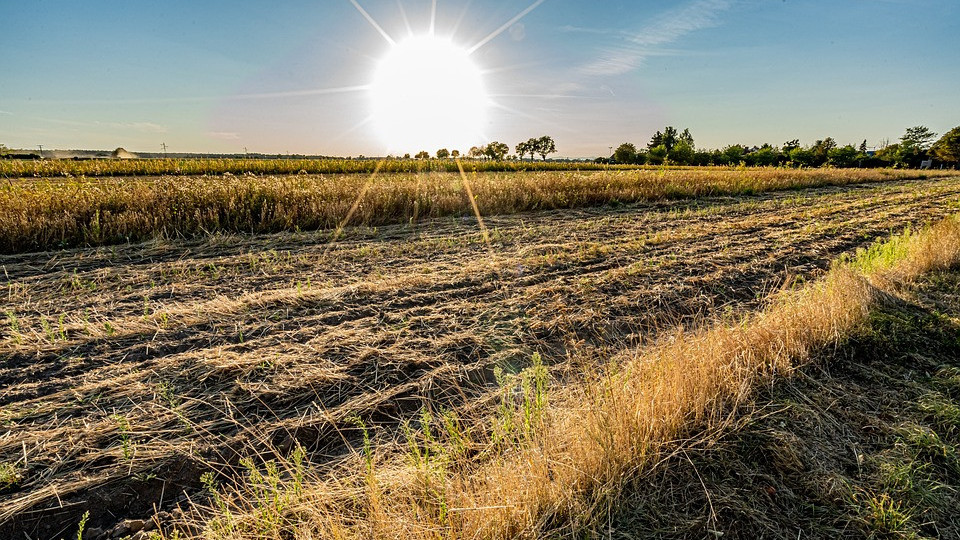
{"points": [[127, 372]]}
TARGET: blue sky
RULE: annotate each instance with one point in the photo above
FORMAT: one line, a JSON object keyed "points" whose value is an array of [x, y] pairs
{"points": [[285, 77]]}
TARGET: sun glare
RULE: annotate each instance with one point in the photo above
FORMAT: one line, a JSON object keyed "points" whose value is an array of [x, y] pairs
{"points": [[428, 94]]}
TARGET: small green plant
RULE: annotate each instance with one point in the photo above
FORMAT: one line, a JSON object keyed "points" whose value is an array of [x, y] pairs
{"points": [[9, 475], [108, 328], [126, 441], [82, 525], [48, 330], [523, 400], [224, 522], [887, 516], [14, 326]]}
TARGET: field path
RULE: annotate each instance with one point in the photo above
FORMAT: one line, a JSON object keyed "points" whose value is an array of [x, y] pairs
{"points": [[129, 371]]}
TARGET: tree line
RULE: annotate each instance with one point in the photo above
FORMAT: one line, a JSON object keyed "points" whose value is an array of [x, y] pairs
{"points": [[498, 151], [917, 145]]}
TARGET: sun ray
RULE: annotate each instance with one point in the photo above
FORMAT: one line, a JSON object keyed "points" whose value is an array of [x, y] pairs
{"points": [[503, 28], [373, 23], [529, 116], [463, 15], [476, 209], [353, 128], [406, 21], [353, 209]]}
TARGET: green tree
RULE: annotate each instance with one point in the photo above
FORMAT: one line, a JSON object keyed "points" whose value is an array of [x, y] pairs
{"points": [[681, 153], [889, 154], [687, 137], [476, 152], [423, 154], [657, 155], [734, 154], [918, 137], [790, 146], [802, 157], [455, 154], [947, 149], [545, 146], [914, 145], [656, 140], [443, 153], [527, 147], [821, 150], [625, 153], [670, 137], [496, 150], [765, 156], [846, 156]]}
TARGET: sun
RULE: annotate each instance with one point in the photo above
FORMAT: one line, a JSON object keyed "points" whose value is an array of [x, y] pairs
{"points": [[428, 94]]}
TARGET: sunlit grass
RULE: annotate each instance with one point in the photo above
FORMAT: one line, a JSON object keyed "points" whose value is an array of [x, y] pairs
{"points": [[39, 214]]}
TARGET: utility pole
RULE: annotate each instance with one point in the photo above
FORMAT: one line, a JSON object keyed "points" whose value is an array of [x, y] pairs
{"points": [[244, 151], [164, 146], [41, 150]]}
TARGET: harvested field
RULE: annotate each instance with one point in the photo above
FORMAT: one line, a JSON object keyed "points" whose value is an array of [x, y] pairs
{"points": [[130, 371]]}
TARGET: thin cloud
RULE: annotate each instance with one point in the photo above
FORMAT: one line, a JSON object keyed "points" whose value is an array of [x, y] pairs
{"points": [[6, 113], [665, 29], [223, 135]]}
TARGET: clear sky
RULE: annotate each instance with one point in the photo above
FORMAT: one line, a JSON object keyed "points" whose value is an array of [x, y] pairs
{"points": [[292, 76]]}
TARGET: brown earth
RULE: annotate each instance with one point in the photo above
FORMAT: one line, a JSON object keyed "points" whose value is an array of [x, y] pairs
{"points": [[129, 371]]}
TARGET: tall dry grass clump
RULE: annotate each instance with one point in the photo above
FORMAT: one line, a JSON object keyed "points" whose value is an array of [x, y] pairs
{"points": [[571, 451], [62, 213]]}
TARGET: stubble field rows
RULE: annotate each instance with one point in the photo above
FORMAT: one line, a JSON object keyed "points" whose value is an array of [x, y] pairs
{"points": [[130, 371]]}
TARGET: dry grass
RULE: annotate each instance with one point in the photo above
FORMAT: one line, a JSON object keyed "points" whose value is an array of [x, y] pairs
{"points": [[53, 214], [174, 359], [199, 166], [567, 466]]}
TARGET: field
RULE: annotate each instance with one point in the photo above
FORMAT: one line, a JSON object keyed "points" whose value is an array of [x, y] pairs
{"points": [[199, 166], [151, 377]]}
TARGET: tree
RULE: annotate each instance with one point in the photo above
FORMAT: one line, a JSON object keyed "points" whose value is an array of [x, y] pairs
{"points": [[681, 153], [625, 153], [496, 150], [733, 154], [455, 154], [918, 137], [947, 149], [765, 156], [790, 146], [889, 154], [670, 138], [476, 152], [545, 146], [845, 156], [802, 157], [526, 147], [821, 150], [657, 155], [656, 140], [443, 153], [423, 154], [687, 137], [863, 147]]}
